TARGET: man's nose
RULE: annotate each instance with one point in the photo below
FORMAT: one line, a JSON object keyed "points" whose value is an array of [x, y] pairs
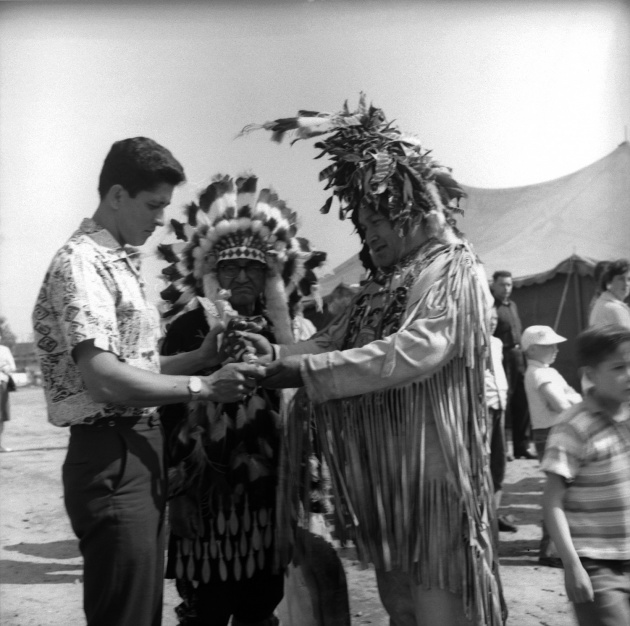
{"points": [[242, 275], [159, 218]]}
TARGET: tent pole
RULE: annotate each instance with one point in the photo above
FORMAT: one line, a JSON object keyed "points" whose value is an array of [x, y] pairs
{"points": [[578, 300], [564, 294]]}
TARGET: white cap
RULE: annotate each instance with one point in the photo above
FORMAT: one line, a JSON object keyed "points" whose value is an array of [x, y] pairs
{"points": [[540, 336]]}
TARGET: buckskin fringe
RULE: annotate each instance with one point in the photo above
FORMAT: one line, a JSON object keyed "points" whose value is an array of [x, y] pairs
{"points": [[437, 529]]}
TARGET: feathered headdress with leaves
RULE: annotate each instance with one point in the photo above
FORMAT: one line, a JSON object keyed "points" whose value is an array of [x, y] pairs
{"points": [[374, 164], [228, 221]]}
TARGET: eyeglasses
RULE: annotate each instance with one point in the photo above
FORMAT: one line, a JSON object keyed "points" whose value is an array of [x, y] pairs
{"points": [[232, 270]]}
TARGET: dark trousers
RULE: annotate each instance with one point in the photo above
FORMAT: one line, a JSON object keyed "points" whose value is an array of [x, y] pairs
{"points": [[114, 489], [5, 412], [498, 457], [517, 411], [547, 547]]}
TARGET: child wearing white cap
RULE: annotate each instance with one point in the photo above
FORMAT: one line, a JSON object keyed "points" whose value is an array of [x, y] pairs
{"points": [[548, 395]]}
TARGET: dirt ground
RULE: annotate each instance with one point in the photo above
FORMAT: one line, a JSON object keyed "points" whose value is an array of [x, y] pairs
{"points": [[40, 567]]}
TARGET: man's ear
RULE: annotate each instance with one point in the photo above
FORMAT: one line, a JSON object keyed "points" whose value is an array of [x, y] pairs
{"points": [[114, 196], [587, 371]]}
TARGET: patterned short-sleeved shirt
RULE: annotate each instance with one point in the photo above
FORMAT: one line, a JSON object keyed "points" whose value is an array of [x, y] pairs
{"points": [[92, 291], [590, 449]]}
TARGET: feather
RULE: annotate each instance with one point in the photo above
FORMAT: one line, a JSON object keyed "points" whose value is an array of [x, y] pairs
{"points": [[246, 191], [178, 228], [166, 252], [453, 189], [373, 162], [316, 259], [171, 272], [170, 294], [191, 210]]}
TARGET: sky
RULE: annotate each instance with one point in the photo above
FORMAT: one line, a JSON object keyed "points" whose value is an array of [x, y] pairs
{"points": [[507, 94]]}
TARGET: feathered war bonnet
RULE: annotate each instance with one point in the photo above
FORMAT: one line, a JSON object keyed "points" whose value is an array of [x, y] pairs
{"points": [[375, 165], [231, 221]]}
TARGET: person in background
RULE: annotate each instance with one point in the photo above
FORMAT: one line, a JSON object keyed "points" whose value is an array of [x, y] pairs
{"points": [[509, 330], [7, 367], [587, 492], [496, 400], [97, 340], [548, 395], [610, 307], [302, 327], [598, 272]]}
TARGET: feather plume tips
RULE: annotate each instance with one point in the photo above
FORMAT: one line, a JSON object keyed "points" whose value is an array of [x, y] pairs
{"points": [[373, 164]]}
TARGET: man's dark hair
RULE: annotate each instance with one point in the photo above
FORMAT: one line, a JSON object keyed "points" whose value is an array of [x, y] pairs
{"points": [[594, 345], [139, 164], [614, 268], [501, 274], [598, 271]]}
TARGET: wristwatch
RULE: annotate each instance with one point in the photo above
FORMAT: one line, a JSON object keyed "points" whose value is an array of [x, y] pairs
{"points": [[194, 386]]}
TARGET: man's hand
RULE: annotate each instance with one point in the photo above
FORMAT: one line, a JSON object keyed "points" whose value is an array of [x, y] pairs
{"points": [[184, 517], [578, 584], [233, 382], [263, 348], [209, 349], [284, 373]]}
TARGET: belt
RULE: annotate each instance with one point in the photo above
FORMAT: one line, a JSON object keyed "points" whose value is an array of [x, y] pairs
{"points": [[121, 421]]}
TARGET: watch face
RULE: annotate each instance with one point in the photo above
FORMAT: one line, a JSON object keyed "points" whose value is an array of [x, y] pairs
{"points": [[194, 384]]}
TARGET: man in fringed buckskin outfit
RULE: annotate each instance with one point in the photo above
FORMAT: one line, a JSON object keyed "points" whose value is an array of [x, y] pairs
{"points": [[396, 382]]}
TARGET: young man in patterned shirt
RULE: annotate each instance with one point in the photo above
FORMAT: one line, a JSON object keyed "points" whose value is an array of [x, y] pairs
{"points": [[587, 495], [97, 337]]}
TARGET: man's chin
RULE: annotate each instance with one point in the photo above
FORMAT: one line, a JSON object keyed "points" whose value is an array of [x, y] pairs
{"points": [[382, 262]]}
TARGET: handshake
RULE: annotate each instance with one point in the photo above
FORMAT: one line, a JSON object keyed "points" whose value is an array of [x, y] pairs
{"points": [[247, 358]]}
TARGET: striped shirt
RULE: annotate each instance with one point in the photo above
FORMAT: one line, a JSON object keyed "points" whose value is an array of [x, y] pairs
{"points": [[590, 448]]}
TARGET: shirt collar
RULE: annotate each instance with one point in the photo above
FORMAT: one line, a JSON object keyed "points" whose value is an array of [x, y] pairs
{"points": [[608, 297], [103, 238], [535, 362], [595, 408]]}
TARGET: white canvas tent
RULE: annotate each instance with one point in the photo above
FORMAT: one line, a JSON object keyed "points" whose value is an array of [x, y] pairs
{"points": [[533, 229]]}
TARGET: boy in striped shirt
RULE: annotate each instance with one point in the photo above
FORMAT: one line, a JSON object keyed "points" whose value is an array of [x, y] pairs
{"points": [[587, 494]]}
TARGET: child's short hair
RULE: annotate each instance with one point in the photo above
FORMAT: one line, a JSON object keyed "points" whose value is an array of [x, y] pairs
{"points": [[594, 345]]}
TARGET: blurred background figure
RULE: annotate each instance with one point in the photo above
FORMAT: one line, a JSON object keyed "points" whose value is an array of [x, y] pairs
{"points": [[610, 308], [509, 328], [7, 366], [496, 400], [598, 272], [302, 327]]}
